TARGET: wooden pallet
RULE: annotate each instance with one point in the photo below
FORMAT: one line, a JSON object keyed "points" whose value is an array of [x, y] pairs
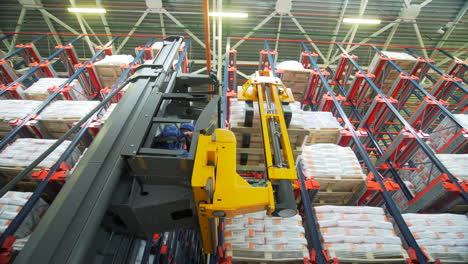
{"points": [[246, 256], [337, 190], [367, 257], [54, 126], [9, 172], [5, 128], [36, 96], [392, 76], [108, 74], [323, 135], [255, 158]]}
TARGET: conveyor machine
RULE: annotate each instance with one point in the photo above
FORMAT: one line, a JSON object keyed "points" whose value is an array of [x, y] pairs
{"points": [[124, 189]]}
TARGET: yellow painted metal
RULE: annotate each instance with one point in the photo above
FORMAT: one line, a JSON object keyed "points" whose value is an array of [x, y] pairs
{"points": [[219, 190], [256, 89]]}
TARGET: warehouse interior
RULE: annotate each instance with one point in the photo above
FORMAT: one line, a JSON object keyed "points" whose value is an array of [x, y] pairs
{"points": [[221, 131]]}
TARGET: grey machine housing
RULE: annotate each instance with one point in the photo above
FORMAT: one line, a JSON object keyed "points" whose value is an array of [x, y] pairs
{"points": [[124, 190]]}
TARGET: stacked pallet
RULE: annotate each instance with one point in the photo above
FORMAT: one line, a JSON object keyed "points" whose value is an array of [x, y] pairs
{"points": [[399, 197], [44, 87], [449, 137], [23, 151], [446, 138], [405, 61], [425, 173], [250, 147], [258, 238], [353, 234], [338, 171], [12, 111], [295, 77], [322, 126], [60, 116], [442, 237], [10, 205], [109, 69]]}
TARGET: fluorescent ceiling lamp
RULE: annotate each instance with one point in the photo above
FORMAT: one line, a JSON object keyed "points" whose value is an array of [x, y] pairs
{"points": [[87, 10], [361, 21], [223, 14]]}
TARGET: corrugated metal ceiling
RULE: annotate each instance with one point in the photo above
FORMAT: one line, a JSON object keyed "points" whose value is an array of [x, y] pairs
{"points": [[318, 18]]}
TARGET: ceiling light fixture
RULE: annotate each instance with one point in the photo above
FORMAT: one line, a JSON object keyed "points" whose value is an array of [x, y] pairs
{"points": [[361, 21], [87, 10], [223, 14]]}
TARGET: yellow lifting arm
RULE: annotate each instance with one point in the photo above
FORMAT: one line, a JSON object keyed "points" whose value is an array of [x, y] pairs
{"points": [[269, 92], [219, 191]]}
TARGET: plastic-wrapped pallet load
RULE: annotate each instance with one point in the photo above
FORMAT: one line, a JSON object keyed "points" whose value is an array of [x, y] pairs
{"points": [[44, 87], [59, 116], [11, 110], [257, 237], [425, 173], [237, 115], [359, 233], [449, 137], [441, 236], [10, 205], [322, 126], [338, 171], [23, 151], [109, 70], [403, 60], [399, 197]]}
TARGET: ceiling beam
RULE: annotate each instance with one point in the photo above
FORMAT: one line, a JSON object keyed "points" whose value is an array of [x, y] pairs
{"points": [[316, 49], [17, 29], [279, 29], [396, 26], [337, 28], [87, 39], [419, 37], [92, 31], [190, 33], [138, 23], [51, 27], [161, 20], [257, 27], [5, 40], [390, 36], [60, 22], [375, 34], [456, 54], [338, 50], [449, 31], [355, 27], [425, 3], [104, 21]]}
